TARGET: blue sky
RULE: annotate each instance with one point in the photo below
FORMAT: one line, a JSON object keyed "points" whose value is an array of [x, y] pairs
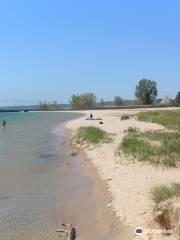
{"points": [[50, 49]]}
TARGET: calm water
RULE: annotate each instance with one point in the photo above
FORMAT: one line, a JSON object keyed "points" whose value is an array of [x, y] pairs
{"points": [[31, 152], [43, 186]]}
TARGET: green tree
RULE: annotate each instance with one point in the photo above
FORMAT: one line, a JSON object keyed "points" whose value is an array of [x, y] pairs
{"points": [[146, 91], [118, 101], [44, 106], [83, 101], [75, 101], [178, 98], [88, 100], [54, 105]]}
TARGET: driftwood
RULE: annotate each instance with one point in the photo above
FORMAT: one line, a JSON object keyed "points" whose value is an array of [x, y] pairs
{"points": [[68, 232], [98, 118]]}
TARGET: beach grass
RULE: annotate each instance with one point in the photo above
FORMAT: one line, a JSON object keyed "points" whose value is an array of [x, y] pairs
{"points": [[168, 118], [93, 135], [162, 192], [152, 146], [140, 149], [132, 130]]}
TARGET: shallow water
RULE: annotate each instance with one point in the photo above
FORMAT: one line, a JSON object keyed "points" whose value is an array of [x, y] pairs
{"points": [[29, 174], [42, 185]]}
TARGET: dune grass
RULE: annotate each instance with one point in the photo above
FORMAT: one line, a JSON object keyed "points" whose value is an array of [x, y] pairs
{"points": [[93, 135], [137, 147], [162, 193], [132, 130], [154, 147], [169, 119]]}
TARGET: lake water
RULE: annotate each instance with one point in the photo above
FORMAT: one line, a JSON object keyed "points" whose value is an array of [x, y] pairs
{"points": [[42, 185], [30, 151]]}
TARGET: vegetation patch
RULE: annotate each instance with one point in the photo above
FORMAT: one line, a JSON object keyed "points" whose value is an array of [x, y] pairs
{"points": [[169, 119], [154, 147], [93, 135], [132, 130], [140, 149], [125, 117], [162, 193]]}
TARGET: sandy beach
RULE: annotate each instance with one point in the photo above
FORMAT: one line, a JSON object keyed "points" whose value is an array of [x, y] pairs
{"points": [[128, 181]]}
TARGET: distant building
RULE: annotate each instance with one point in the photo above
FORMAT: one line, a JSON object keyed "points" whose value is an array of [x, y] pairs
{"points": [[166, 101]]}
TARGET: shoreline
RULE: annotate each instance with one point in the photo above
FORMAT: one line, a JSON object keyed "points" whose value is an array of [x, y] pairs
{"points": [[107, 221], [128, 183]]}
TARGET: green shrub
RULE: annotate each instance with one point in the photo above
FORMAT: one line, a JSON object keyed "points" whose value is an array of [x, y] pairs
{"points": [[132, 130], [155, 147], [162, 193], [137, 147], [125, 117], [93, 135]]}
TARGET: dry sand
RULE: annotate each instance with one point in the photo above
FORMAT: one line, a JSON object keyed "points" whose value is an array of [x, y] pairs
{"points": [[129, 182]]}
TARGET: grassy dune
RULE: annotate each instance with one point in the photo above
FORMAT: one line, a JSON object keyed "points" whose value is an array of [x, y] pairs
{"points": [[156, 147], [93, 135], [169, 119]]}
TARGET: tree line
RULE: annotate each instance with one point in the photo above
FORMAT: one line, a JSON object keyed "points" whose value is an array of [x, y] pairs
{"points": [[146, 93], [49, 106]]}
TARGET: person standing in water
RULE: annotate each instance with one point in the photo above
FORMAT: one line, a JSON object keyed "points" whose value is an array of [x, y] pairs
{"points": [[4, 123]]}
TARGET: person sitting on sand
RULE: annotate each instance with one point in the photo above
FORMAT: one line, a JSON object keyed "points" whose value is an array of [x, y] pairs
{"points": [[91, 116]]}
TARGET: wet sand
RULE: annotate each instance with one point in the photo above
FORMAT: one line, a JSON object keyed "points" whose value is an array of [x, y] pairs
{"points": [[87, 199]]}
